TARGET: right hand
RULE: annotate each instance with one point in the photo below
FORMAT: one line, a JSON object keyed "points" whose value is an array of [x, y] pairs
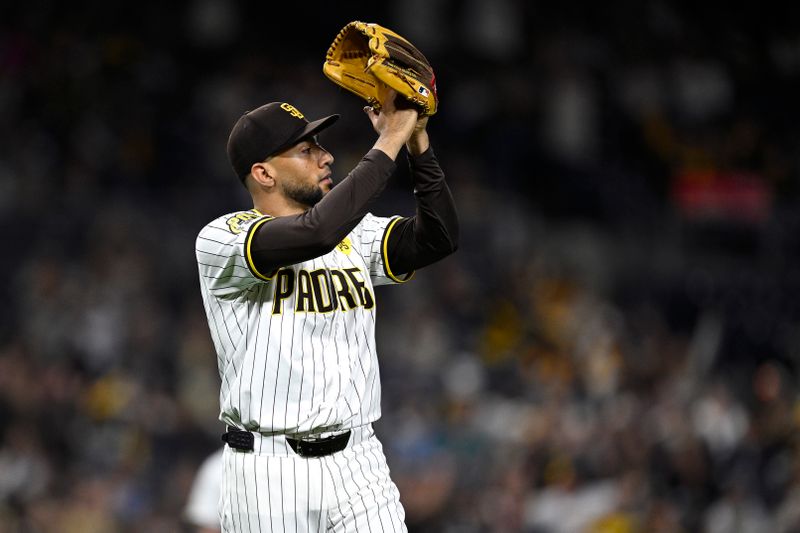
{"points": [[394, 126]]}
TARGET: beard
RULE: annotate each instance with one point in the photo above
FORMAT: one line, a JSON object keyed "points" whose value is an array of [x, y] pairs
{"points": [[305, 194]]}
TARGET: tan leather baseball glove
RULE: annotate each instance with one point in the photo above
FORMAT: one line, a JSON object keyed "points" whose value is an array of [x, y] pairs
{"points": [[366, 58]]}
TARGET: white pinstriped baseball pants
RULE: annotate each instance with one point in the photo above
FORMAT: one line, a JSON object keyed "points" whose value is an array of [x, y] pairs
{"points": [[274, 489]]}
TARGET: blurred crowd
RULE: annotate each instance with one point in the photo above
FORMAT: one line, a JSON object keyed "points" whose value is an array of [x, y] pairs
{"points": [[614, 348]]}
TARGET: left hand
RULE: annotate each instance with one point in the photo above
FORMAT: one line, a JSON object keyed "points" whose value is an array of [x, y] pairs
{"points": [[422, 123], [419, 142]]}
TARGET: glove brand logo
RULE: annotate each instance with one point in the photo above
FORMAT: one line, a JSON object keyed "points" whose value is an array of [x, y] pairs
{"points": [[292, 110], [423, 91]]}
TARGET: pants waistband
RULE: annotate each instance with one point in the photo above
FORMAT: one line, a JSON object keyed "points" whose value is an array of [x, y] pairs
{"points": [[286, 445]]}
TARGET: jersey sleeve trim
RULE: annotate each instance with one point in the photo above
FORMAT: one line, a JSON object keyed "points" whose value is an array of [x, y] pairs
{"points": [[248, 255], [385, 255]]}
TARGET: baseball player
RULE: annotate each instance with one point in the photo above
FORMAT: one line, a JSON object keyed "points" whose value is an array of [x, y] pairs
{"points": [[288, 289]]}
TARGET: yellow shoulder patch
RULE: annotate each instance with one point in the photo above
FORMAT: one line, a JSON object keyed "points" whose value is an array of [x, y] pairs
{"points": [[236, 222], [346, 246]]}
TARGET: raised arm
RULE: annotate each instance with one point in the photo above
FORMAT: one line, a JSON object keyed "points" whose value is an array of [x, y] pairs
{"points": [[432, 233], [290, 239]]}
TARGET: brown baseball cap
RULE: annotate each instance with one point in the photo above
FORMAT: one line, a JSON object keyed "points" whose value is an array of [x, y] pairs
{"points": [[267, 130]]}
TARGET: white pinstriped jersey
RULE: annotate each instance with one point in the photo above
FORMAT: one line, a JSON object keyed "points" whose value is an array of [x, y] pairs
{"points": [[295, 347]]}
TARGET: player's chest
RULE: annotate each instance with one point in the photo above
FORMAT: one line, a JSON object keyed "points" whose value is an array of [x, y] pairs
{"points": [[337, 281]]}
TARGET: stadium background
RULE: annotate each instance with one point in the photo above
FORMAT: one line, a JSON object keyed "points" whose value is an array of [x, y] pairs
{"points": [[614, 347]]}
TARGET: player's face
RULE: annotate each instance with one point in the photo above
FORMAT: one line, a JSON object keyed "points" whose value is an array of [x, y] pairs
{"points": [[304, 172]]}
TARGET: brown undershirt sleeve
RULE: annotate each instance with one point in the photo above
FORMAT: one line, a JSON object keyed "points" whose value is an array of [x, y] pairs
{"points": [[292, 239], [432, 233]]}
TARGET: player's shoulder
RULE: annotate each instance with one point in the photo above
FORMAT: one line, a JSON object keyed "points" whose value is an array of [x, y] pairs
{"points": [[370, 229], [231, 224], [367, 220], [372, 223]]}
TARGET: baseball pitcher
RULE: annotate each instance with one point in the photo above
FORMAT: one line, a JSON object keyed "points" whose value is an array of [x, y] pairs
{"points": [[288, 289]]}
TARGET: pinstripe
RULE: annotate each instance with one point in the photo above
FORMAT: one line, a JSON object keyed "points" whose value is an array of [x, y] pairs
{"points": [[358, 398], [374, 468], [355, 510], [324, 360], [219, 328], [308, 497], [363, 312], [229, 276], [314, 371], [390, 489], [223, 266], [369, 382], [372, 487], [247, 307], [374, 480], [323, 515], [255, 486], [372, 476], [347, 492], [216, 341], [266, 362], [215, 334], [302, 373], [372, 388], [289, 382], [315, 422], [207, 252], [283, 487], [349, 351], [360, 487], [324, 363], [255, 351], [338, 365], [277, 372], [246, 502], [381, 466], [335, 486], [352, 380], [294, 477], [224, 500], [329, 521], [215, 241], [386, 495], [339, 392], [335, 489], [238, 325], [235, 495], [268, 479], [363, 372], [225, 323]]}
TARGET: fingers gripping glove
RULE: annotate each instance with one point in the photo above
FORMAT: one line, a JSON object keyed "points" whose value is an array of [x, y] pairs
{"points": [[367, 58]]}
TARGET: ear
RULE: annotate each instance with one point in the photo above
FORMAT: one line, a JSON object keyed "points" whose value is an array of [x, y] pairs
{"points": [[264, 174]]}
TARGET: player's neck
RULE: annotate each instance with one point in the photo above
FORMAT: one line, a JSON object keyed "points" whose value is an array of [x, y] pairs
{"points": [[278, 206]]}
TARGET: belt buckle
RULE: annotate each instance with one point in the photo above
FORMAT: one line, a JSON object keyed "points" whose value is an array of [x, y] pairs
{"points": [[310, 447], [305, 447], [319, 447]]}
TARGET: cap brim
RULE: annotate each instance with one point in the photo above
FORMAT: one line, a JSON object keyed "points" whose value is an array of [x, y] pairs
{"points": [[317, 126], [312, 128]]}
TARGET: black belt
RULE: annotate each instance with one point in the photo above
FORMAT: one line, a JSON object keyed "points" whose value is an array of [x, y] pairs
{"points": [[244, 440]]}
